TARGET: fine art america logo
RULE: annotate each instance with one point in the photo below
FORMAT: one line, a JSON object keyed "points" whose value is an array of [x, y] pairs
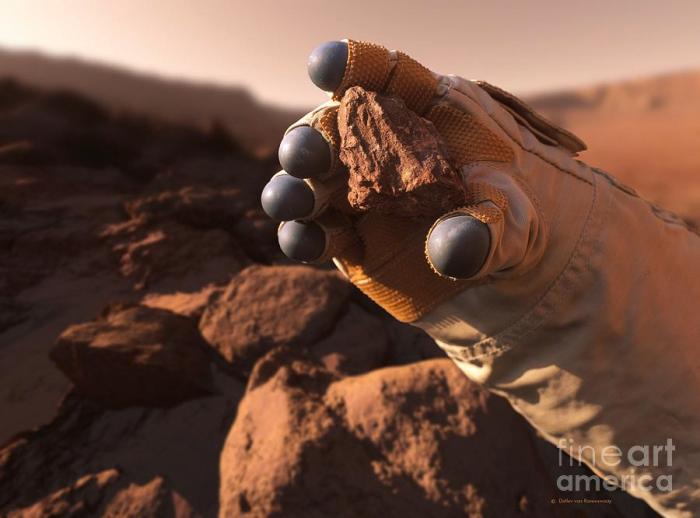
{"points": [[610, 458]]}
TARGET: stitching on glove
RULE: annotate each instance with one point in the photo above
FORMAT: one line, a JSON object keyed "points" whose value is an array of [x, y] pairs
{"points": [[664, 215], [566, 280], [486, 348], [479, 192]]}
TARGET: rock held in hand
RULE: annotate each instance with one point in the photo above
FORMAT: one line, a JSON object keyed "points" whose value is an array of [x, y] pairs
{"points": [[397, 163]]}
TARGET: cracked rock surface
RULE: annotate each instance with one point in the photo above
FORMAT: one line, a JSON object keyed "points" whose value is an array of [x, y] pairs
{"points": [[396, 160]]}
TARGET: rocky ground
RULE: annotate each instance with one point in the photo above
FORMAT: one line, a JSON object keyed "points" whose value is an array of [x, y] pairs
{"points": [[158, 356]]}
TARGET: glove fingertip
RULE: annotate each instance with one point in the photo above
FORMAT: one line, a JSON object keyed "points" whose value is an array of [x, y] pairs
{"points": [[458, 245], [327, 63]]}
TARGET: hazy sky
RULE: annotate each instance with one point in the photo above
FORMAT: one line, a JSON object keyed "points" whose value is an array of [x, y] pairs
{"points": [[521, 45]]}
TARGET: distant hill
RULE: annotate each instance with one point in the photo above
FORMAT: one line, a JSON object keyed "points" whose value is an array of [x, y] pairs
{"points": [[662, 92], [255, 125], [646, 132]]}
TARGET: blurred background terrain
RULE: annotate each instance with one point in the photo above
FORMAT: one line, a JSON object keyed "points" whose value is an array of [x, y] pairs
{"points": [[160, 357]]}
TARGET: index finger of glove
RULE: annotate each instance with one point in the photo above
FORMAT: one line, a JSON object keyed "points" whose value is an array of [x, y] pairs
{"points": [[337, 66], [344, 64]]}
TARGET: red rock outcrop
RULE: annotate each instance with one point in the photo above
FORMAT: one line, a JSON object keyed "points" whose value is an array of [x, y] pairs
{"points": [[359, 343], [135, 356], [265, 307], [98, 207], [416, 440], [100, 494], [135, 458]]}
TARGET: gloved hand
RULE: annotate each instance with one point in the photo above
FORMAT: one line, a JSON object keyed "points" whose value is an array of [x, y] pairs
{"points": [[526, 199], [553, 285]]}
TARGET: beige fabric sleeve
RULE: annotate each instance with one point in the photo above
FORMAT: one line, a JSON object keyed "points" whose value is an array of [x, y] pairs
{"points": [[591, 329]]}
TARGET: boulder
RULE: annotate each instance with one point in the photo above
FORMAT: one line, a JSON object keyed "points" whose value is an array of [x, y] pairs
{"points": [[188, 304], [359, 343], [264, 307], [135, 356], [416, 440]]}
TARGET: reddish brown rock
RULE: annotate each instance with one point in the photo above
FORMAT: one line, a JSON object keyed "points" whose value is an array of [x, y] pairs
{"points": [[135, 356], [417, 440], [197, 206], [80, 498], [396, 160], [187, 304], [153, 499], [264, 307], [102, 494], [173, 256], [359, 343], [127, 462]]}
